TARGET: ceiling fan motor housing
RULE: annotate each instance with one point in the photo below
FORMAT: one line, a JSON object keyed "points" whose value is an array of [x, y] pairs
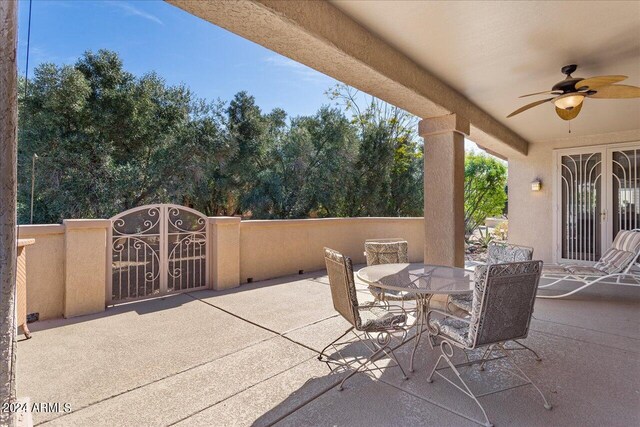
{"points": [[567, 85], [568, 69]]}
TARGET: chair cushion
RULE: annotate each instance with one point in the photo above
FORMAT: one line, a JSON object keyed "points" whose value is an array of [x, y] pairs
{"points": [[555, 269], [628, 241], [390, 295], [585, 270], [376, 318], [462, 301], [578, 270], [615, 260], [453, 328]]}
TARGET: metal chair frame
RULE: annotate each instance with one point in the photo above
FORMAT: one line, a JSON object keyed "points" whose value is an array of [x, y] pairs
{"points": [[519, 345], [376, 339], [378, 293], [631, 271], [378, 345], [448, 345]]}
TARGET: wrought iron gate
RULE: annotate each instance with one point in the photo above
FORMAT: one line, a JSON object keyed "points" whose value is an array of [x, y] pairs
{"points": [[156, 250]]}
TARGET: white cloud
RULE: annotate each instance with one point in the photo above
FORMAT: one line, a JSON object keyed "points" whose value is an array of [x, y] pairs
{"points": [[131, 10]]}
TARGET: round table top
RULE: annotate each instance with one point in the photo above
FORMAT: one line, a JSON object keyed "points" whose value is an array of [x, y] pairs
{"points": [[418, 278]]}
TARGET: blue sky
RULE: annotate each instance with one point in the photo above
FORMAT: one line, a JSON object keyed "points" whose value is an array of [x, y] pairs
{"points": [[153, 35]]}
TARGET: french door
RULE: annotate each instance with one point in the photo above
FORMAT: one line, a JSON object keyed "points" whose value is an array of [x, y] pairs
{"points": [[597, 194]]}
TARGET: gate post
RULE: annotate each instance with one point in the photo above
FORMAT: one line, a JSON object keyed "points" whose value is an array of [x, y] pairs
{"points": [[86, 249], [224, 252]]}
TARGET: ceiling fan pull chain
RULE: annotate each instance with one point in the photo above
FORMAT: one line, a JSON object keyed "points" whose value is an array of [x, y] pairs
{"points": [[569, 126]]}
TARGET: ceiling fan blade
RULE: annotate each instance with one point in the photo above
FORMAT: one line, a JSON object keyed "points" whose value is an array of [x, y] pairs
{"points": [[546, 92], [599, 81], [617, 92], [569, 114], [526, 107]]}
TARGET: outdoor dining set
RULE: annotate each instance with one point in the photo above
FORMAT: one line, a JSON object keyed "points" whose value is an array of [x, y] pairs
{"points": [[471, 316]]}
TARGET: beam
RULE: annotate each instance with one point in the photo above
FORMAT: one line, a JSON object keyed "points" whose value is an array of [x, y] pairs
{"points": [[319, 35], [8, 194]]}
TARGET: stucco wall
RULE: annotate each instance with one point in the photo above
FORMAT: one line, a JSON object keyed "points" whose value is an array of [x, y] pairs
{"points": [[278, 248], [66, 273], [531, 213], [45, 269]]}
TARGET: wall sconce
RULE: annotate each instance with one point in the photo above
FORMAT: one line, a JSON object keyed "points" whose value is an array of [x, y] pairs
{"points": [[536, 185]]}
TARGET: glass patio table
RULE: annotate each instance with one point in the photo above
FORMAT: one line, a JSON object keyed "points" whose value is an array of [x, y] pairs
{"points": [[422, 281]]}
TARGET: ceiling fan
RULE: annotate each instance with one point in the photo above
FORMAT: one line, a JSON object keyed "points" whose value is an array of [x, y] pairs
{"points": [[571, 92]]}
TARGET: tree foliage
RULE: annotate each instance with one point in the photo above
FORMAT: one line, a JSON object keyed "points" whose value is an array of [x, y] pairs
{"points": [[108, 141], [485, 180]]}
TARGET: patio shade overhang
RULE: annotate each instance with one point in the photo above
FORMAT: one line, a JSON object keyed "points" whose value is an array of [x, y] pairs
{"points": [[321, 36]]}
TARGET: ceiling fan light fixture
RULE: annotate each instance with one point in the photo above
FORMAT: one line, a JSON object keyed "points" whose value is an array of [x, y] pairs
{"points": [[569, 102]]}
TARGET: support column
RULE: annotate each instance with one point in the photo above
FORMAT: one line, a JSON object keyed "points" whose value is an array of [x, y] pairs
{"points": [[224, 252], [444, 189], [86, 255], [8, 192]]}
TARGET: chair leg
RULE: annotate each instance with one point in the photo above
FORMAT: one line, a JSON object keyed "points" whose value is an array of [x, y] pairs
{"points": [[525, 347], [586, 285], [547, 405], [373, 358], [392, 356], [447, 353], [484, 357], [419, 327], [321, 355]]}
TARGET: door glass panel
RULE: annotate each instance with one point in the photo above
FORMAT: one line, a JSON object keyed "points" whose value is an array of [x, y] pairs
{"points": [[626, 191], [581, 206]]}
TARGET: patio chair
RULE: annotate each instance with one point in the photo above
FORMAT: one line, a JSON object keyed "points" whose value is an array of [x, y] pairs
{"points": [[387, 251], [376, 323], [497, 253], [502, 306], [617, 264]]}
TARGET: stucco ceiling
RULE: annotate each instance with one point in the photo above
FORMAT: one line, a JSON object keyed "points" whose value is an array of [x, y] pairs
{"points": [[493, 52]]}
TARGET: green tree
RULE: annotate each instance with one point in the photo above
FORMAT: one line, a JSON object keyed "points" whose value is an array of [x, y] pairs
{"points": [[106, 140], [485, 179], [386, 178], [308, 162]]}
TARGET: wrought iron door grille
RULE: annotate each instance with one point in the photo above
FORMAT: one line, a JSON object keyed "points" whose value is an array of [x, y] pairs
{"points": [[581, 206], [626, 191]]}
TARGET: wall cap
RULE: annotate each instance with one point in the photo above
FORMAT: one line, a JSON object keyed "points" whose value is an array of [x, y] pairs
{"points": [[323, 221], [29, 230], [86, 223], [25, 242], [224, 220]]}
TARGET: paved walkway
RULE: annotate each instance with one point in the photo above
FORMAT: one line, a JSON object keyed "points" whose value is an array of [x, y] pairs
{"points": [[248, 357]]}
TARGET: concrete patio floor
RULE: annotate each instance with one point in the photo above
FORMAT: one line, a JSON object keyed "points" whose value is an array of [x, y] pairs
{"points": [[247, 356]]}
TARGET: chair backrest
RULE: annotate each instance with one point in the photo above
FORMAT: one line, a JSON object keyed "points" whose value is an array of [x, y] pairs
{"points": [[504, 252], [386, 251], [623, 251], [503, 300], [343, 288]]}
